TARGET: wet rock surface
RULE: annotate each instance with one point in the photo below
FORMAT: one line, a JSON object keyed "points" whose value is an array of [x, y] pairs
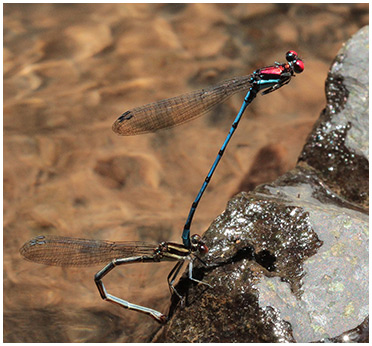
{"points": [[338, 145], [289, 261]]}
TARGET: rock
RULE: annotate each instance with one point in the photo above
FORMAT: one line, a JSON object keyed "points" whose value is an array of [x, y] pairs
{"points": [[288, 262], [338, 145]]}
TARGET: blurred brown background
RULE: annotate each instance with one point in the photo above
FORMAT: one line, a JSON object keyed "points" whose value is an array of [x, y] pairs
{"points": [[70, 71]]}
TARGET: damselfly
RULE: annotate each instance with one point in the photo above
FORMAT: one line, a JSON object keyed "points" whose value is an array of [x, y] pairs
{"points": [[70, 252], [180, 109], [64, 251]]}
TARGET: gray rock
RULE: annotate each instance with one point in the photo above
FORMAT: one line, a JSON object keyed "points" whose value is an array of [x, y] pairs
{"points": [[338, 145]]}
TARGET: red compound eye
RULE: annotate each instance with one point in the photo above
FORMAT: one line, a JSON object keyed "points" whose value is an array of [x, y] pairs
{"points": [[203, 249], [298, 66]]}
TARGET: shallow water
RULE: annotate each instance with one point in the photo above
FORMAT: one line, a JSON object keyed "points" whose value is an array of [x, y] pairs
{"points": [[70, 71]]}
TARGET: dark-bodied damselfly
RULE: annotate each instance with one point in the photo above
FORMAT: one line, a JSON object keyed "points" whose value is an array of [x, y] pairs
{"points": [[75, 252], [180, 109]]}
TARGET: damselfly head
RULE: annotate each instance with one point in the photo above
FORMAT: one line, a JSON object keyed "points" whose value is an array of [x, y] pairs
{"points": [[295, 61], [197, 244]]}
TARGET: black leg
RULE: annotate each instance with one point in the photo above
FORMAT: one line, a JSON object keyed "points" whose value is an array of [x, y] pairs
{"points": [[172, 277]]}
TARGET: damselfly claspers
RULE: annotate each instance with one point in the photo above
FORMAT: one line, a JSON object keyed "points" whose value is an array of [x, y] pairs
{"points": [[64, 251]]}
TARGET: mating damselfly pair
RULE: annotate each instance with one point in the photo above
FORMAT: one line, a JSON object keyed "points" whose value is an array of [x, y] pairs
{"points": [[65, 251]]}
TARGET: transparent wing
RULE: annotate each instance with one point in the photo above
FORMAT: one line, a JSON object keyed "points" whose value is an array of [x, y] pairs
{"points": [[65, 251], [178, 110]]}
